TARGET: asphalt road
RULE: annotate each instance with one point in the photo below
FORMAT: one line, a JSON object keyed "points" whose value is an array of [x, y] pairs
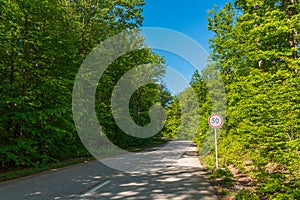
{"points": [[169, 172]]}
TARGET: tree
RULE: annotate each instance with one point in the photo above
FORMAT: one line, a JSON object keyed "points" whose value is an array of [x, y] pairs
{"points": [[172, 124], [141, 101], [43, 45], [256, 49]]}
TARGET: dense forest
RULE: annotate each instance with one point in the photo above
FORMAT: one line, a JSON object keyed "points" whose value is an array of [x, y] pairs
{"points": [[254, 50], [43, 44]]}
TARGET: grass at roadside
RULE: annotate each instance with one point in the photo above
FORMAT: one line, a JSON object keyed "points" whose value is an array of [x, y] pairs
{"points": [[14, 173], [220, 179], [229, 185]]}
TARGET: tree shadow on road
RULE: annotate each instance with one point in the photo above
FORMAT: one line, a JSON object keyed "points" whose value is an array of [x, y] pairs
{"points": [[171, 183]]}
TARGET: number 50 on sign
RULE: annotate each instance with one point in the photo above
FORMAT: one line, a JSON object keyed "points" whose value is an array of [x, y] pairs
{"points": [[215, 121]]}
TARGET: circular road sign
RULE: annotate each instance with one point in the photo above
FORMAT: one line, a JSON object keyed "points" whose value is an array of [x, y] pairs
{"points": [[215, 121]]}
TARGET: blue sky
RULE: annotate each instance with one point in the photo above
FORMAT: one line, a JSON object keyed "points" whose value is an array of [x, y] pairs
{"points": [[187, 17]]}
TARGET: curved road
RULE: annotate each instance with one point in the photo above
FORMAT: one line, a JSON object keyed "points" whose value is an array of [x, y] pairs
{"points": [[170, 172]]}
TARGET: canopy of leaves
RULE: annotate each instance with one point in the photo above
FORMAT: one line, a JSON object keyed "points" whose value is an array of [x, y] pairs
{"points": [[43, 44], [256, 49]]}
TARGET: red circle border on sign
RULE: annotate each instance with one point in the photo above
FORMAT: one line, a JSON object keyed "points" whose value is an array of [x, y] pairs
{"points": [[213, 116]]}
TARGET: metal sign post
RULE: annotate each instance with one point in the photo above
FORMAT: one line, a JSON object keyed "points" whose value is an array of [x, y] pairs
{"points": [[216, 121], [216, 146]]}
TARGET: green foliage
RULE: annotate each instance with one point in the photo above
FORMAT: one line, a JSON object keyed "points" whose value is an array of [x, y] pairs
{"points": [[204, 101], [186, 114], [140, 102], [172, 124], [246, 194], [255, 48], [43, 44], [221, 173]]}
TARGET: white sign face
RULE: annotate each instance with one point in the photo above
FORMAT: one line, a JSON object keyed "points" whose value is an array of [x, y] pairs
{"points": [[215, 121]]}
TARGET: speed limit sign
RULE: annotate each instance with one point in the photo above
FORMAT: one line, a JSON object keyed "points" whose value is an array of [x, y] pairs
{"points": [[215, 121]]}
